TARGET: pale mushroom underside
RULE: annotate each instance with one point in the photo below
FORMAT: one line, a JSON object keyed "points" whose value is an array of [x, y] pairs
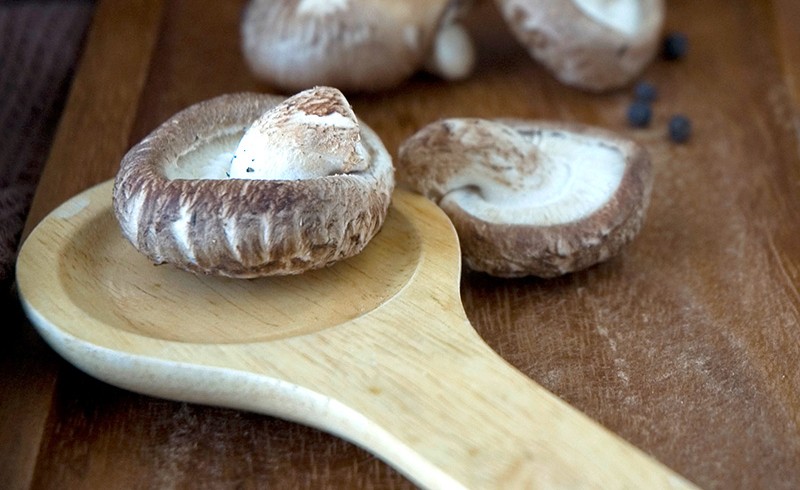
{"points": [[531, 197], [580, 176]]}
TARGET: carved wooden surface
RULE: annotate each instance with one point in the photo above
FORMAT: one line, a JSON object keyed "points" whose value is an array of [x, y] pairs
{"points": [[688, 345]]}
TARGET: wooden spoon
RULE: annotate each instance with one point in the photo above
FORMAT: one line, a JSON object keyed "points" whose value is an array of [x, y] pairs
{"points": [[376, 349]]}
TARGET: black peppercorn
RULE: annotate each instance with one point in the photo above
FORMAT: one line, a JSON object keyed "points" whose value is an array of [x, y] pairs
{"points": [[675, 46], [645, 92], [639, 114], [680, 128]]}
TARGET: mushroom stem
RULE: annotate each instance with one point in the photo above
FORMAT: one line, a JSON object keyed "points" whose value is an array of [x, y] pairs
{"points": [[452, 54], [311, 134]]}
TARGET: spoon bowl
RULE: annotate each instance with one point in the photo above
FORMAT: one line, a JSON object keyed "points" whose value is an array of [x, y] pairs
{"points": [[124, 287]]}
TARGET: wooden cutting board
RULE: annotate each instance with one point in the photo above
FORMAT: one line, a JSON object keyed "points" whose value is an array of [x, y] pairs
{"points": [[688, 345]]}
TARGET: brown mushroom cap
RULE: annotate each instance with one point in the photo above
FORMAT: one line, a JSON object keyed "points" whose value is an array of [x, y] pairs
{"points": [[354, 45], [594, 45], [175, 204], [530, 197]]}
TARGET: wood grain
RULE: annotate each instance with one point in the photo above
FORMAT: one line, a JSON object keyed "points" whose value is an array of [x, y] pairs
{"points": [[102, 105], [686, 345], [786, 13]]}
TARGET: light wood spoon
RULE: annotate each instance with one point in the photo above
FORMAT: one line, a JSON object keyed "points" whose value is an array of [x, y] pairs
{"points": [[376, 349]]}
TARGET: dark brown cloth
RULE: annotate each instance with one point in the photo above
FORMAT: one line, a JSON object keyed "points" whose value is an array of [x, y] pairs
{"points": [[40, 43]]}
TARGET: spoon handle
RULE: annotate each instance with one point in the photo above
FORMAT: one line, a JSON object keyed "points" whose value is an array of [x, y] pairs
{"points": [[447, 411]]}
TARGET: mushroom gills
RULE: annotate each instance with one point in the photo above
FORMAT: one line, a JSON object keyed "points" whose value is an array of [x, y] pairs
{"points": [[579, 176], [208, 160], [624, 16]]}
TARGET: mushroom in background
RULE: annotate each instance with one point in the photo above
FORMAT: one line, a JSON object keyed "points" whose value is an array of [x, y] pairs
{"points": [[594, 45], [354, 45], [530, 197], [309, 185]]}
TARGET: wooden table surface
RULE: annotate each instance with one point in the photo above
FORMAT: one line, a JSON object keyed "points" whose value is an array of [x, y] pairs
{"points": [[687, 345]]}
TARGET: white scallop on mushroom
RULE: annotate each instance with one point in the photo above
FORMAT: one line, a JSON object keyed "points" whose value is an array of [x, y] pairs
{"points": [[594, 45], [176, 203], [530, 197], [354, 45]]}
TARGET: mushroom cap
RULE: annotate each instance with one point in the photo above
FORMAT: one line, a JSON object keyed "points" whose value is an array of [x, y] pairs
{"points": [[530, 197], [175, 205], [594, 45], [354, 45]]}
